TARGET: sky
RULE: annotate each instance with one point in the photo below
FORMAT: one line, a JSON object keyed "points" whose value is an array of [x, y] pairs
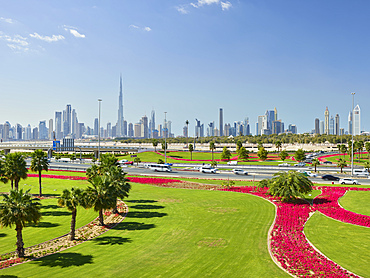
{"points": [[188, 58]]}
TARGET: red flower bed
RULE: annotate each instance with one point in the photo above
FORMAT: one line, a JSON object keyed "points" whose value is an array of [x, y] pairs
{"points": [[154, 181], [289, 245], [327, 203]]}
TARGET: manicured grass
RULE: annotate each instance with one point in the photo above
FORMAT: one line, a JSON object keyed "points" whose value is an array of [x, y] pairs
{"points": [[173, 233], [356, 201], [49, 186], [55, 222], [345, 244]]}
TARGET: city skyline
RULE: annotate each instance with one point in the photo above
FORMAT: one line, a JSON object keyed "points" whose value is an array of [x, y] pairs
{"points": [[185, 60]]}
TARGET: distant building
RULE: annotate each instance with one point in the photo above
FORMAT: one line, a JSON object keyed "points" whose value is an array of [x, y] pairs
{"points": [[221, 130], [317, 126], [356, 120], [331, 125], [51, 130], [337, 125], [96, 126], [327, 130], [350, 129]]}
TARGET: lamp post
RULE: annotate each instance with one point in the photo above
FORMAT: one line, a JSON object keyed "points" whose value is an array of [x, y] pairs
{"points": [[99, 100], [165, 137], [353, 98]]}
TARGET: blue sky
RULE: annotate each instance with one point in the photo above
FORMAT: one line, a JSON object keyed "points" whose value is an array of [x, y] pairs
{"points": [[188, 58]]}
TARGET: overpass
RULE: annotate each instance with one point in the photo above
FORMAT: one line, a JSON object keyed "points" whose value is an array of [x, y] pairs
{"points": [[28, 146]]}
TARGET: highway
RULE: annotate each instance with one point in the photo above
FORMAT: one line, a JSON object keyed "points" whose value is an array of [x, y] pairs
{"points": [[254, 172]]}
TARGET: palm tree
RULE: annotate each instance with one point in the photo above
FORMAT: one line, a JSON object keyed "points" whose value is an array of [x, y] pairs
{"points": [[283, 155], [187, 133], [367, 147], [18, 208], [289, 185], [119, 184], [15, 168], [39, 162], [278, 145], [99, 195], [155, 144], [191, 149], [137, 160], [342, 163], [367, 165], [71, 200], [315, 163], [212, 147]]}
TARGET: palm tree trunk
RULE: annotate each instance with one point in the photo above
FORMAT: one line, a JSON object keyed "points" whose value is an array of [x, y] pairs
{"points": [[101, 219], [73, 225], [20, 244], [212, 154], [11, 183], [40, 194], [115, 209], [16, 184]]}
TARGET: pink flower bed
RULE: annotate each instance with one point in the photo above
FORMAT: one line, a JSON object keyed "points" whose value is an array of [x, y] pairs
{"points": [[155, 181], [327, 203], [289, 245], [57, 177]]}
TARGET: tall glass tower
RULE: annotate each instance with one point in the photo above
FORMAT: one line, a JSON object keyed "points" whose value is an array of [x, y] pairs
{"points": [[119, 128]]}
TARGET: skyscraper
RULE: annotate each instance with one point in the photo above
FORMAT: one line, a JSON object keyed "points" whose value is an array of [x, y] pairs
{"points": [[96, 126], [119, 129], [152, 124], [221, 123], [51, 130], [327, 131], [317, 126], [350, 130], [144, 127], [356, 120], [331, 125], [74, 123], [337, 125], [58, 125]]}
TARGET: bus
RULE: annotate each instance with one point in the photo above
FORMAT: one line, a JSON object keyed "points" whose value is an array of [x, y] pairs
{"points": [[159, 167]]}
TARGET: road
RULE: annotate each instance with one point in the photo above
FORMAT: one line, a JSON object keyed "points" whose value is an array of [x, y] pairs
{"points": [[254, 172]]}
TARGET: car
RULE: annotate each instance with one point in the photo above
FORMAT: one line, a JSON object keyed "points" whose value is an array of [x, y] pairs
{"points": [[330, 178], [348, 181], [327, 162], [125, 162], [310, 174], [284, 165], [300, 164], [240, 172], [232, 162], [208, 169], [169, 164]]}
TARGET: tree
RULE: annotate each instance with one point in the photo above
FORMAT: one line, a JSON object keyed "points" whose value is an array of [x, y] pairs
{"points": [[15, 168], [137, 160], [289, 185], [342, 163], [262, 153], [278, 145], [367, 147], [18, 208], [343, 149], [160, 161], [106, 161], [155, 144], [212, 147], [367, 165], [243, 153], [213, 163], [191, 149], [283, 155], [2, 172], [315, 163], [226, 154], [239, 144], [99, 195], [71, 200], [119, 184], [164, 146], [299, 155], [39, 163]]}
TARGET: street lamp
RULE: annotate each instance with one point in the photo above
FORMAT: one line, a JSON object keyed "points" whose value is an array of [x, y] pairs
{"points": [[99, 100], [165, 137], [353, 98]]}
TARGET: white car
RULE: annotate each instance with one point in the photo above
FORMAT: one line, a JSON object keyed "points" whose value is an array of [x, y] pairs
{"points": [[240, 172], [284, 165], [348, 181], [310, 174], [208, 169]]}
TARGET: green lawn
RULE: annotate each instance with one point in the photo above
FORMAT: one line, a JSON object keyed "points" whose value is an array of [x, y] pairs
{"points": [[55, 222], [61, 173], [172, 233], [346, 244], [356, 201]]}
